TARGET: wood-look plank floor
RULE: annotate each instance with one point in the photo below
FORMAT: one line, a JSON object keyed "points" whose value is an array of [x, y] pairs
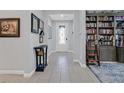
{"points": [[60, 69]]}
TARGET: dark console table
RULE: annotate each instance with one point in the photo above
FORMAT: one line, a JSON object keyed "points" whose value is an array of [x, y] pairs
{"points": [[41, 51]]}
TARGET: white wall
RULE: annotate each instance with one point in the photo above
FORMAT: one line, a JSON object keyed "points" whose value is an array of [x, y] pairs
{"points": [[16, 54], [33, 42], [82, 35], [48, 23], [12, 50], [51, 42], [78, 36]]}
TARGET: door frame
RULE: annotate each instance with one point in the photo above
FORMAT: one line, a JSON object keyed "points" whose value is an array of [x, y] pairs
{"points": [[66, 23]]}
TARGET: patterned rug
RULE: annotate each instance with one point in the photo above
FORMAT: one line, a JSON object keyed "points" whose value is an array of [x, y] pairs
{"points": [[109, 72]]}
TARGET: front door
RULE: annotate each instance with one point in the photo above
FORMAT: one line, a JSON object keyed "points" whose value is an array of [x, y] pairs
{"points": [[62, 37]]}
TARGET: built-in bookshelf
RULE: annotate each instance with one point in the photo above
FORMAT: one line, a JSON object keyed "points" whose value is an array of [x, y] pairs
{"points": [[91, 30], [119, 31], [91, 22], [106, 30], [105, 33]]}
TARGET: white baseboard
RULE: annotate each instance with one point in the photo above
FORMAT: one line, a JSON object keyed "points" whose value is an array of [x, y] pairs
{"points": [[70, 51], [75, 60], [58, 51], [28, 75], [19, 72], [82, 65], [51, 53]]}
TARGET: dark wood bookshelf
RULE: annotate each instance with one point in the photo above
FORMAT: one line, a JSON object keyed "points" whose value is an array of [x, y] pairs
{"points": [[105, 21], [106, 27], [119, 20], [91, 34], [92, 27], [106, 30], [106, 34], [106, 45], [91, 21], [119, 27], [120, 31]]}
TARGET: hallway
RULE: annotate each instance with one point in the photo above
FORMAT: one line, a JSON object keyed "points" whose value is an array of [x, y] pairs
{"points": [[61, 69]]}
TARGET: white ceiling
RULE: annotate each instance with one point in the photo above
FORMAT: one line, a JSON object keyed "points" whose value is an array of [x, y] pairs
{"points": [[62, 16], [105, 11]]}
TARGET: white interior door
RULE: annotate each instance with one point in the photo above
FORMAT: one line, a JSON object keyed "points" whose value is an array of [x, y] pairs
{"points": [[62, 37]]}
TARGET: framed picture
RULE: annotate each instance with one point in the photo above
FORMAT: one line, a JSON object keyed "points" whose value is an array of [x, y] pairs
{"points": [[41, 39], [34, 24], [41, 36], [41, 24], [41, 31], [10, 27]]}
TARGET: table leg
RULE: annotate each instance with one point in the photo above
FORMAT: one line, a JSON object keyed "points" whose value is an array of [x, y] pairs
{"points": [[36, 61], [46, 56], [43, 60]]}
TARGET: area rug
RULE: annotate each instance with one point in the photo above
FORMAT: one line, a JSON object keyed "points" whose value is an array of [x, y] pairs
{"points": [[109, 72]]}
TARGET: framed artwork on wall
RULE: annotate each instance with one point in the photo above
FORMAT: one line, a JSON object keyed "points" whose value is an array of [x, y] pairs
{"points": [[41, 24], [10, 27], [41, 36], [41, 31], [34, 24]]}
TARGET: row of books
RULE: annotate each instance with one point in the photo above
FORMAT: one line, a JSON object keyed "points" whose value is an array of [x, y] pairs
{"points": [[119, 31], [119, 17], [106, 43], [105, 38], [105, 18], [91, 37], [120, 25], [101, 24], [91, 18], [120, 37], [91, 31], [106, 31], [120, 43], [91, 44], [91, 24]]}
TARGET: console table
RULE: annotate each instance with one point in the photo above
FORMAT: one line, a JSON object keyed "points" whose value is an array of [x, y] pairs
{"points": [[41, 51]]}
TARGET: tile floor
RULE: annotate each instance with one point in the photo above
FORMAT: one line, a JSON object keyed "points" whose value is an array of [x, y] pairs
{"points": [[60, 69]]}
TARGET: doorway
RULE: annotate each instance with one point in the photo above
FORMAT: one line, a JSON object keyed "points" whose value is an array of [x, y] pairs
{"points": [[63, 37]]}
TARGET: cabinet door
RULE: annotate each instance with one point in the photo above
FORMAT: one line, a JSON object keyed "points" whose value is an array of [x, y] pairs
{"points": [[108, 53]]}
